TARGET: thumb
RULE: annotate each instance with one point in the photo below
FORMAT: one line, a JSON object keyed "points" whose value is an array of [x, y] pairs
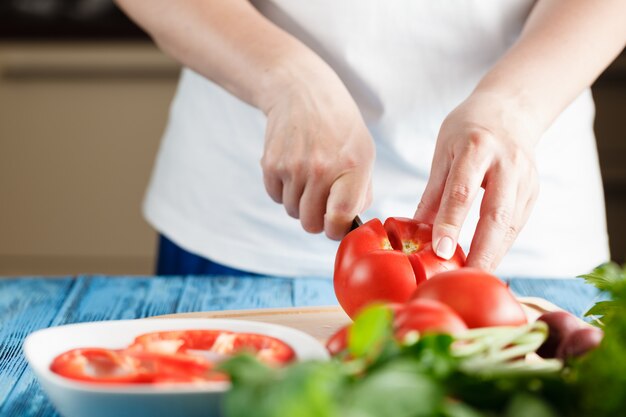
{"points": [[348, 196]]}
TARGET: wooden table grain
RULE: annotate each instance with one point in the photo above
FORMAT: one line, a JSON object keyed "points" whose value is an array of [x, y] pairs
{"points": [[31, 303]]}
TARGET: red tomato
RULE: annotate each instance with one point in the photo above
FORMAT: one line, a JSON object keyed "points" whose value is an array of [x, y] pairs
{"points": [[158, 364], [423, 316], [266, 348], [415, 240], [99, 365], [377, 263], [427, 316], [479, 298], [168, 357], [338, 342]]}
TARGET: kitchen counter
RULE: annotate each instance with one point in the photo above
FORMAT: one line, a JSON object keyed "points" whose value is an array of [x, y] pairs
{"points": [[31, 303]]}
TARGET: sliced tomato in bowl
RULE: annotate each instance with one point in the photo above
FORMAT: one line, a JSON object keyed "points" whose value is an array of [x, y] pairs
{"points": [[99, 365], [215, 343], [169, 357]]}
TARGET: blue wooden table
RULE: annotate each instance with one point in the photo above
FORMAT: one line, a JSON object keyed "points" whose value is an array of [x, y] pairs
{"points": [[29, 304]]}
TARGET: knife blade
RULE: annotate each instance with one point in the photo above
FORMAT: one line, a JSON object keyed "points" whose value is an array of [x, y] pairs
{"points": [[356, 223]]}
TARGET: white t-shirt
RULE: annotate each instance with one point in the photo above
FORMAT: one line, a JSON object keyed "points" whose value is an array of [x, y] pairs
{"points": [[407, 64]]}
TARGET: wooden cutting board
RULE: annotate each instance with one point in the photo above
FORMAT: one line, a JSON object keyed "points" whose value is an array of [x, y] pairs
{"points": [[322, 322]]}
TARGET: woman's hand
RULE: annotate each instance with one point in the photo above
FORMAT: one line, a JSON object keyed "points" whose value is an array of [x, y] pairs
{"points": [[488, 140], [482, 143], [318, 153]]}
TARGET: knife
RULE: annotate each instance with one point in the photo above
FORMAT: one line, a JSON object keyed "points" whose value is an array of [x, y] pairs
{"points": [[356, 223]]}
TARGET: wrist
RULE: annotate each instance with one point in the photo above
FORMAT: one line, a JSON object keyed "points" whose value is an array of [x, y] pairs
{"points": [[513, 111], [296, 73]]}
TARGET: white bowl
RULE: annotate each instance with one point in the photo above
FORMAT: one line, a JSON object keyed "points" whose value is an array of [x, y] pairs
{"points": [[77, 399]]}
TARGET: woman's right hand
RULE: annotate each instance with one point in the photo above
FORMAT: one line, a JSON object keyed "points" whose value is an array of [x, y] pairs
{"points": [[318, 154]]}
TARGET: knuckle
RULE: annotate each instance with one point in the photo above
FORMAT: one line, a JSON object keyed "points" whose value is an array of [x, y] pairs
{"points": [[293, 167], [341, 211], [485, 260], [459, 193], [426, 210], [292, 211], [267, 163], [448, 226], [282, 166], [517, 157], [335, 231], [478, 138], [500, 216], [318, 168], [312, 225], [349, 162], [340, 215], [511, 233], [273, 167]]}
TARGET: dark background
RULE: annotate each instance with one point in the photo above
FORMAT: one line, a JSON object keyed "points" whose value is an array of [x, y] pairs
{"points": [[54, 20]]}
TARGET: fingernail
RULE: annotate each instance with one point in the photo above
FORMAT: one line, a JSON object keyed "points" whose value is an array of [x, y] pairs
{"points": [[445, 248]]}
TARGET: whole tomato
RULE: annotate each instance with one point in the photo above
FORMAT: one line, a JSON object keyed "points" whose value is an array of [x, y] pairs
{"points": [[479, 298], [427, 316], [377, 263]]}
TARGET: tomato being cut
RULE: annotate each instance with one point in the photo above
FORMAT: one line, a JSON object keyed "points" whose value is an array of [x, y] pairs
{"points": [[385, 263], [479, 298], [185, 356]]}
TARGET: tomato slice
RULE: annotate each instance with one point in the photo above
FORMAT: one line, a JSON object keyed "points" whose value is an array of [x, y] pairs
{"points": [[169, 357], [177, 364], [99, 365], [215, 342]]}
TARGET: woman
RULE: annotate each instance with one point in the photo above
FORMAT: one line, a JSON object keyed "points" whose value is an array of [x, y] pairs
{"points": [[364, 107]]}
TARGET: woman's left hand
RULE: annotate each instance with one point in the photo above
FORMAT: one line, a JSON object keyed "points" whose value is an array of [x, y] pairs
{"points": [[484, 143]]}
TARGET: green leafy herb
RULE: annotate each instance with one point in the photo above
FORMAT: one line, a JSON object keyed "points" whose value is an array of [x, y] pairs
{"points": [[478, 374], [608, 277], [600, 376], [371, 332], [527, 405], [399, 389], [306, 389]]}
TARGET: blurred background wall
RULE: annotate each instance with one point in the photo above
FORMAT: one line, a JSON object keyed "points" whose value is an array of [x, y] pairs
{"points": [[84, 97]]}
